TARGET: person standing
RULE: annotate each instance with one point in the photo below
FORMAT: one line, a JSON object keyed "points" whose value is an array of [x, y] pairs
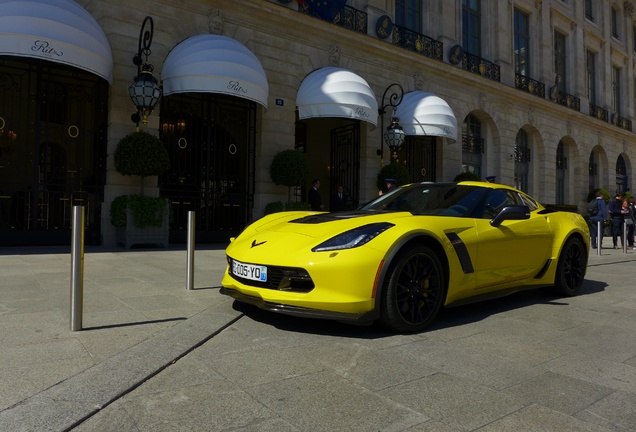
{"points": [[617, 214], [600, 216], [390, 186], [339, 200], [630, 218], [314, 196]]}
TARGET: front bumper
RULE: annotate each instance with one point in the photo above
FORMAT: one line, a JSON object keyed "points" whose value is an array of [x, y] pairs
{"points": [[298, 311]]}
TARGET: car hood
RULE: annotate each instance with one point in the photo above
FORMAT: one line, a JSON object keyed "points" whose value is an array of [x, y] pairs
{"points": [[289, 231], [316, 225]]}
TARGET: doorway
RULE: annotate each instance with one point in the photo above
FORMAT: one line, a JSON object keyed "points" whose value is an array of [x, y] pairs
{"points": [[211, 144]]}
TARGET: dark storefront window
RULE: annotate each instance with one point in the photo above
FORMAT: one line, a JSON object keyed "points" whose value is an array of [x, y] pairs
{"points": [[53, 123]]}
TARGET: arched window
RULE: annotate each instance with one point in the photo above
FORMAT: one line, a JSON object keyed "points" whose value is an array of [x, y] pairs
{"points": [[472, 145], [621, 175], [593, 172], [561, 168], [522, 161]]}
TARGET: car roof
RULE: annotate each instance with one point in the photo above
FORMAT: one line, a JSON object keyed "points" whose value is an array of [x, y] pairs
{"points": [[482, 184]]}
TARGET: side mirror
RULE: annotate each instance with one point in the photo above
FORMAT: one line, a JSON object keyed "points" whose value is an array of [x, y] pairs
{"points": [[517, 212]]}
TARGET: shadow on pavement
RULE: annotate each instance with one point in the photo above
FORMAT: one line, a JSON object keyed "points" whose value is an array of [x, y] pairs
{"points": [[134, 324], [447, 318]]}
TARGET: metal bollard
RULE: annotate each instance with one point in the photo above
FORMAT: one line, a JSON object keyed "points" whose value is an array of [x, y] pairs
{"points": [[77, 268], [599, 232], [190, 263], [624, 236]]}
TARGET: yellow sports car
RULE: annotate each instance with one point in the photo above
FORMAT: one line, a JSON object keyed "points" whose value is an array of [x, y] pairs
{"points": [[406, 254]]}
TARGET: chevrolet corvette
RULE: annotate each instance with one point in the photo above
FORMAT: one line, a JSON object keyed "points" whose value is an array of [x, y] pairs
{"points": [[403, 256]]}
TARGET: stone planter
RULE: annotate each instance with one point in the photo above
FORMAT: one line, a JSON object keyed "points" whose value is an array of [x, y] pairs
{"points": [[130, 235]]}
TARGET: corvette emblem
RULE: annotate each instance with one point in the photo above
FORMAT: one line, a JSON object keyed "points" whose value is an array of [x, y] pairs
{"points": [[254, 243]]}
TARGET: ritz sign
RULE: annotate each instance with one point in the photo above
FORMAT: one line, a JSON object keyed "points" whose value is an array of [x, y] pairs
{"points": [[236, 87], [360, 113], [45, 47]]}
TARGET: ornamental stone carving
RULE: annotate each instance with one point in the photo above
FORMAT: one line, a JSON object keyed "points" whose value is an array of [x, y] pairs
{"points": [[482, 100], [334, 56], [419, 81], [215, 22]]}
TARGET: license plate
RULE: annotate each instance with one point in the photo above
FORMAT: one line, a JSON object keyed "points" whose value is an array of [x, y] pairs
{"points": [[249, 271]]}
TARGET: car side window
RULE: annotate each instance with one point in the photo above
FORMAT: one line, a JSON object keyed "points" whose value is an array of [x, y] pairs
{"points": [[526, 200], [498, 199]]}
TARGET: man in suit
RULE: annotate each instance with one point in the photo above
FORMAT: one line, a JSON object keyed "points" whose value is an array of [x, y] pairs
{"points": [[314, 196], [339, 200]]}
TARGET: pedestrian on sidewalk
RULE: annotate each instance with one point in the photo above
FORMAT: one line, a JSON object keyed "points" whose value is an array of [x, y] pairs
{"points": [[617, 214], [600, 216], [630, 218]]}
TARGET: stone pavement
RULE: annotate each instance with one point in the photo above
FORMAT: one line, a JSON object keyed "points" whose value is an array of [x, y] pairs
{"points": [[144, 332]]}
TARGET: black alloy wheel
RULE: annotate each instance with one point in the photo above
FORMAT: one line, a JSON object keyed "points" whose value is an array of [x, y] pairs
{"points": [[570, 272], [415, 291]]}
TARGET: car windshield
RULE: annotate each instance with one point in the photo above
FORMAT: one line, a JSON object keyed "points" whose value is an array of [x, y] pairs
{"points": [[442, 199]]}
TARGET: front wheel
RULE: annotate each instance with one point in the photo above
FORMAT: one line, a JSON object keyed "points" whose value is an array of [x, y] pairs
{"points": [[415, 291], [571, 268]]}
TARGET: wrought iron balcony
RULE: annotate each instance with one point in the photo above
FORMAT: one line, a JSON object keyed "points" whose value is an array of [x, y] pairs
{"points": [[599, 113], [418, 42], [345, 17], [565, 99], [472, 144], [480, 66], [621, 122], [529, 85], [522, 154]]}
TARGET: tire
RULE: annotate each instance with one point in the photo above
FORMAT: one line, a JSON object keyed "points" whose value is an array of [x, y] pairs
{"points": [[415, 291], [570, 272]]}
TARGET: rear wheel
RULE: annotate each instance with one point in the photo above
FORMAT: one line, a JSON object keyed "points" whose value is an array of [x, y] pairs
{"points": [[571, 268], [415, 291]]}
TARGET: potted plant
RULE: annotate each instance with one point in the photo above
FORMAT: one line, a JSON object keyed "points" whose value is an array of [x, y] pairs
{"points": [[141, 219], [289, 168]]}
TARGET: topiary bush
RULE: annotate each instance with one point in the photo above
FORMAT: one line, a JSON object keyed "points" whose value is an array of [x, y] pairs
{"points": [[273, 207], [297, 206], [289, 168], [142, 154], [395, 171], [146, 211]]}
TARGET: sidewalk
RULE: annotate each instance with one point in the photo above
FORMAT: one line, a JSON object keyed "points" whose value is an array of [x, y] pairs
{"points": [[138, 318]]}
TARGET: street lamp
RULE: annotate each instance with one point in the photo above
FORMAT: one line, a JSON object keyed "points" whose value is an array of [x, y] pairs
{"points": [[144, 91], [394, 134]]}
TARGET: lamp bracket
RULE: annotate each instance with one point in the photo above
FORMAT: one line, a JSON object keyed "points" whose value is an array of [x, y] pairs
{"points": [[145, 40]]}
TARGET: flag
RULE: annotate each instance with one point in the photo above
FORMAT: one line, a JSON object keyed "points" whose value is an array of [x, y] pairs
{"points": [[327, 10]]}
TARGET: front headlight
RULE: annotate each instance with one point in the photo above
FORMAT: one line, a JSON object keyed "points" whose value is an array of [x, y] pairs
{"points": [[353, 238]]}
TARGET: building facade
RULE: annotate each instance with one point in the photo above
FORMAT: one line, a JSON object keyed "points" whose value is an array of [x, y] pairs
{"points": [[539, 94]]}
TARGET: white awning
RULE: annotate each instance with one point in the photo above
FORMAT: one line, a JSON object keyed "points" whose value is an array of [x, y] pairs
{"points": [[60, 31], [422, 113], [214, 64], [336, 92]]}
